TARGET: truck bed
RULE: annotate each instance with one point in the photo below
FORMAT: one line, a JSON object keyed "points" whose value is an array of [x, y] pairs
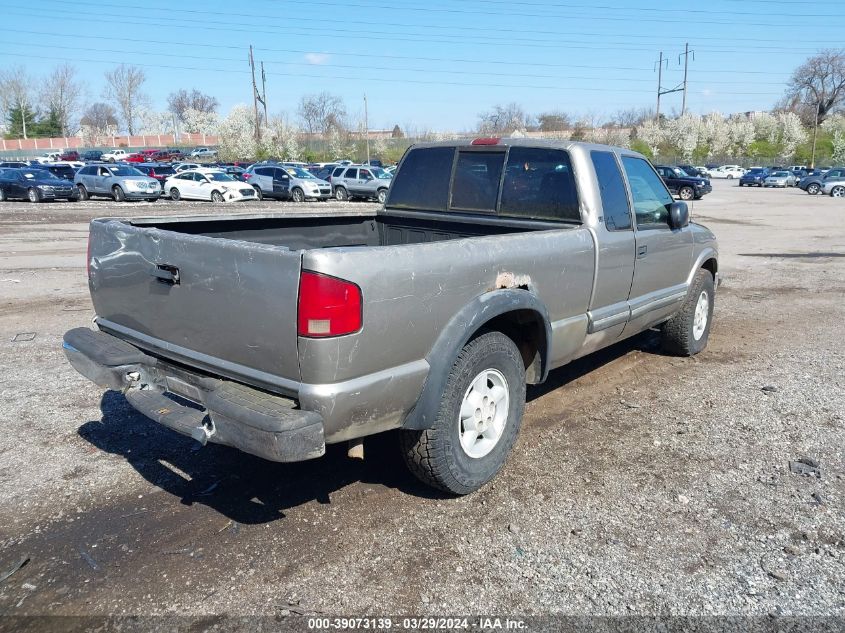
{"points": [[329, 231]]}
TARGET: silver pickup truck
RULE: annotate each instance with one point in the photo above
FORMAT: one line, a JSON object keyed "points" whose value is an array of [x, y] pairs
{"points": [[491, 263]]}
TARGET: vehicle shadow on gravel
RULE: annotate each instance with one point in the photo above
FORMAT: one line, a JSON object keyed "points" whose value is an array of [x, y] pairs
{"points": [[246, 489]]}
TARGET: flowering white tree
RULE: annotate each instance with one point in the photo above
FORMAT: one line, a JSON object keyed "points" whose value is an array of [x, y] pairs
{"points": [[792, 133], [339, 146], [281, 140], [651, 134], [740, 133], [200, 122], [150, 122], [714, 134], [682, 134], [237, 134], [767, 128], [835, 126]]}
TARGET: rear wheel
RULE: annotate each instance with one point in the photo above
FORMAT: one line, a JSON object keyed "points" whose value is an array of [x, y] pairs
{"points": [[478, 420], [813, 189], [297, 195], [216, 196], [2, 196], [686, 193], [382, 195], [175, 195], [33, 195], [118, 194], [341, 194], [730, 177], [686, 333], [83, 192], [258, 193], [838, 191]]}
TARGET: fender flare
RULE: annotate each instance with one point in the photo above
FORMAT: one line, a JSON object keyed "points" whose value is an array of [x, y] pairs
{"points": [[707, 253], [457, 333]]}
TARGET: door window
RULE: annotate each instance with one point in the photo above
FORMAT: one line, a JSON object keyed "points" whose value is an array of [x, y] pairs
{"points": [[364, 175], [649, 194], [614, 198], [351, 174]]}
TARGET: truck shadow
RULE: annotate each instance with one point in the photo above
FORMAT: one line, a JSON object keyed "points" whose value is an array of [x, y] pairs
{"points": [[250, 490], [246, 489]]}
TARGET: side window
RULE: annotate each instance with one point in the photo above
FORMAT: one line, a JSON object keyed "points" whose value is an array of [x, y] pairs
{"points": [[476, 184], [365, 175], [351, 174], [650, 196], [104, 172], [539, 184], [614, 198], [337, 172], [264, 171], [280, 174]]}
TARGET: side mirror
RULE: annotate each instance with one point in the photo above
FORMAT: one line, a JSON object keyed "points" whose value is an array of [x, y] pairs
{"points": [[678, 215]]}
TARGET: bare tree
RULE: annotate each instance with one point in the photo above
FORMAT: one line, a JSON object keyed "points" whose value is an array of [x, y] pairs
{"points": [[61, 94], [631, 117], [16, 94], [99, 119], [554, 121], [322, 113], [503, 119], [181, 101], [123, 88], [817, 85]]}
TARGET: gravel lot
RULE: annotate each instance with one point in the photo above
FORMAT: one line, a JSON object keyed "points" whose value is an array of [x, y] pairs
{"points": [[641, 483]]}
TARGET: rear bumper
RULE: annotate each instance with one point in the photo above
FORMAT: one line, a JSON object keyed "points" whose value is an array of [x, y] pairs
{"points": [[233, 414]]}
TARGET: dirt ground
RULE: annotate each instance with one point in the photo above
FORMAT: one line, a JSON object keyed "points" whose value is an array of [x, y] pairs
{"points": [[640, 484]]}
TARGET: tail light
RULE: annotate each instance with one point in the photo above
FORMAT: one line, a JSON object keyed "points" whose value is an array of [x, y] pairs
{"points": [[247, 176], [492, 140], [328, 306]]}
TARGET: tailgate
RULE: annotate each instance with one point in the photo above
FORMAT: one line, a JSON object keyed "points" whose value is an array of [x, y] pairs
{"points": [[225, 306]]}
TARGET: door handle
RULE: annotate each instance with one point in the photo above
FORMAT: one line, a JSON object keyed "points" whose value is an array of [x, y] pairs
{"points": [[167, 274], [642, 251]]}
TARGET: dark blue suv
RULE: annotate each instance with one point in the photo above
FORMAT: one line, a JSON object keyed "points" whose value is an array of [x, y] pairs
{"points": [[754, 176]]}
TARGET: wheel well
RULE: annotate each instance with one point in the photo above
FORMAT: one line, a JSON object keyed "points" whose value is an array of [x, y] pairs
{"points": [[712, 266], [526, 329]]}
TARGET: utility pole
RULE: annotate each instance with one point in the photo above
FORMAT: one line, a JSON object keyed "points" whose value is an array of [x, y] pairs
{"points": [[254, 96], [815, 132], [263, 98], [685, 55], [660, 90], [367, 127]]}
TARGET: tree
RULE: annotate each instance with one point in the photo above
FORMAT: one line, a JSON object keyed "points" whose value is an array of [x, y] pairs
{"points": [[152, 122], [280, 139], [98, 120], [503, 119], [632, 117], [682, 134], [818, 83], [123, 88], [651, 134], [321, 113], [61, 93], [199, 122], [553, 122], [16, 119], [237, 134], [792, 133], [16, 94], [397, 132], [181, 101]]}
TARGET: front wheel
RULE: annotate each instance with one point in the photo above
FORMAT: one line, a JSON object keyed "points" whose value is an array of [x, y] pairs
{"points": [[814, 189], [837, 192], [341, 194], [118, 194], [33, 195], [478, 420], [297, 195], [730, 177], [216, 196], [2, 195], [382, 196], [258, 193], [686, 193], [83, 192], [175, 195], [686, 333]]}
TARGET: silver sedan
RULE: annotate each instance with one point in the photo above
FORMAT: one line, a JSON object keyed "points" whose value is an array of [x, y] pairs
{"points": [[780, 179]]}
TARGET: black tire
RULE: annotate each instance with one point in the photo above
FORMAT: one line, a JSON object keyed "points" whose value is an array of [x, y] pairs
{"points": [[436, 455], [2, 196], [686, 193], [83, 192], [341, 194], [730, 177], [813, 188], [111, 160], [381, 196], [679, 332], [258, 193], [33, 195], [216, 197], [118, 194], [175, 195], [297, 195]]}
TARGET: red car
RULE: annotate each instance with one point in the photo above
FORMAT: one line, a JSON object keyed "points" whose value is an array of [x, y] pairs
{"points": [[70, 154], [147, 153], [136, 158]]}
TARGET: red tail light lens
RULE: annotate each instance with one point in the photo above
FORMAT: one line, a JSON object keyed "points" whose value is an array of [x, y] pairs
{"points": [[492, 140], [327, 306], [247, 176]]}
